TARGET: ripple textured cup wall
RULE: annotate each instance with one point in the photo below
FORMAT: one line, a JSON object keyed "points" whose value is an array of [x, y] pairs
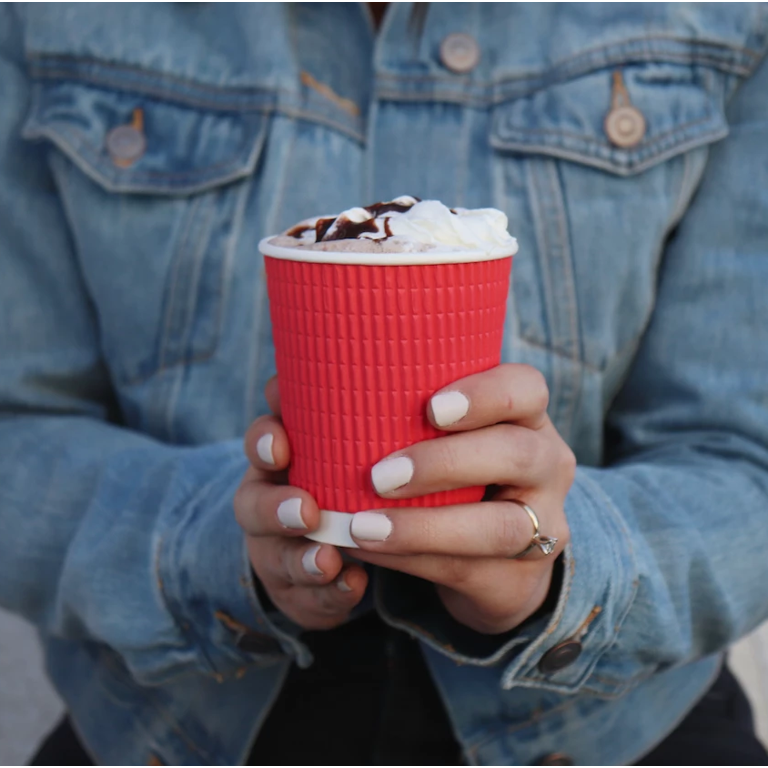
{"points": [[360, 349]]}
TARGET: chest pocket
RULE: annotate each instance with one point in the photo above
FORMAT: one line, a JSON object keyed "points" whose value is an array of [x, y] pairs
{"points": [[593, 206], [152, 186]]}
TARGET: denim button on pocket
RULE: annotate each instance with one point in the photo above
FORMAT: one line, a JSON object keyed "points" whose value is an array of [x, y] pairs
{"points": [[625, 127], [460, 53], [125, 144]]}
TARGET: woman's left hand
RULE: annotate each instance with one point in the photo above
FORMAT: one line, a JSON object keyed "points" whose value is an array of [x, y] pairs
{"points": [[503, 437]]}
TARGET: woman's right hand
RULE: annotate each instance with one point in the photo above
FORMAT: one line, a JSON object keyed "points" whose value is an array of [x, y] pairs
{"points": [[307, 581]]}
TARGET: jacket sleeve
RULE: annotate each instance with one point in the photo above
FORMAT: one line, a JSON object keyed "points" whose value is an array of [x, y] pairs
{"points": [[668, 557], [107, 535]]}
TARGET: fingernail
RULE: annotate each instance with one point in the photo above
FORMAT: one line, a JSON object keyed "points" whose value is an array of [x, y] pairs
{"points": [[264, 448], [342, 585], [449, 407], [309, 561], [390, 474], [289, 514], [370, 526]]}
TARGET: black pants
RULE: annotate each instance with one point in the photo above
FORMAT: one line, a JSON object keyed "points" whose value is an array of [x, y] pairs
{"points": [[394, 716]]}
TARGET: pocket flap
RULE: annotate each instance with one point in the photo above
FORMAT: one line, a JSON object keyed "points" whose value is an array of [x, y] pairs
{"points": [[680, 104], [174, 149]]}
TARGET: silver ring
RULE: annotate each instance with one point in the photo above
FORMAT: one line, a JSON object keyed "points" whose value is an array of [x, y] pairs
{"points": [[545, 543]]}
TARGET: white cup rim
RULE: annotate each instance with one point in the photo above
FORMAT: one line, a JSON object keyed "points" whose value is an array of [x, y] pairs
{"points": [[384, 259]]}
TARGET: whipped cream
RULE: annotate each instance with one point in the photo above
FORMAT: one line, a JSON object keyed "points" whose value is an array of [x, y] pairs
{"points": [[402, 225]]}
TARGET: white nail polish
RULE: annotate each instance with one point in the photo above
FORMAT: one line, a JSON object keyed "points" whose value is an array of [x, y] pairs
{"points": [[264, 448], [309, 561], [289, 514], [390, 474], [370, 526], [449, 407], [343, 586]]}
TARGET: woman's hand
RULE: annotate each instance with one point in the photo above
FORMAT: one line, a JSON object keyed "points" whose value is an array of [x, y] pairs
{"points": [[503, 437], [308, 582]]}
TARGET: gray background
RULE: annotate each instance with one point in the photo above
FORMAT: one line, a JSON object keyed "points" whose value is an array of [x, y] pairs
{"points": [[29, 707]]}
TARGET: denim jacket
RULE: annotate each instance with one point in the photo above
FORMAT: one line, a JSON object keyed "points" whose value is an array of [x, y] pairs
{"points": [[145, 150]]}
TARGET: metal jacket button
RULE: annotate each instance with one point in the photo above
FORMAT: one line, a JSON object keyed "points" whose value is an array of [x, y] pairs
{"points": [[459, 52], [127, 143], [624, 123], [625, 126], [560, 656]]}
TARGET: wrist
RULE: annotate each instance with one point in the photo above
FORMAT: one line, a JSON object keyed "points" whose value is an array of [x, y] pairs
{"points": [[542, 602]]}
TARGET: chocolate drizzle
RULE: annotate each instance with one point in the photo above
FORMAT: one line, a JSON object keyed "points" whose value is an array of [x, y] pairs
{"points": [[342, 228], [378, 208], [349, 230], [321, 227], [298, 230]]}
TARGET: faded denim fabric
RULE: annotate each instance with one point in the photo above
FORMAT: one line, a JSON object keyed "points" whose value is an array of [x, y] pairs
{"points": [[135, 342]]}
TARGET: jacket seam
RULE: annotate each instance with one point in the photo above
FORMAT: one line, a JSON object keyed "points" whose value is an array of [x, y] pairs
{"points": [[537, 202], [108, 660], [79, 141], [247, 103], [178, 260], [39, 58], [626, 538], [575, 342], [644, 147], [717, 45], [523, 675], [41, 64], [506, 90], [244, 101], [261, 304], [87, 159], [488, 737], [517, 676], [615, 50], [624, 170]]}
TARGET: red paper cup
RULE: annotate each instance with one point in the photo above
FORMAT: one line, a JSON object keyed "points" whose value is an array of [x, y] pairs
{"points": [[362, 341]]}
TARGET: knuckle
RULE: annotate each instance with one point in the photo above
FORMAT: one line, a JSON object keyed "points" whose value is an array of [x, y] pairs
{"points": [[509, 402], [328, 603], [539, 388], [242, 505], [428, 533], [508, 530], [526, 451], [285, 564], [458, 572], [266, 562], [444, 458], [507, 381]]}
